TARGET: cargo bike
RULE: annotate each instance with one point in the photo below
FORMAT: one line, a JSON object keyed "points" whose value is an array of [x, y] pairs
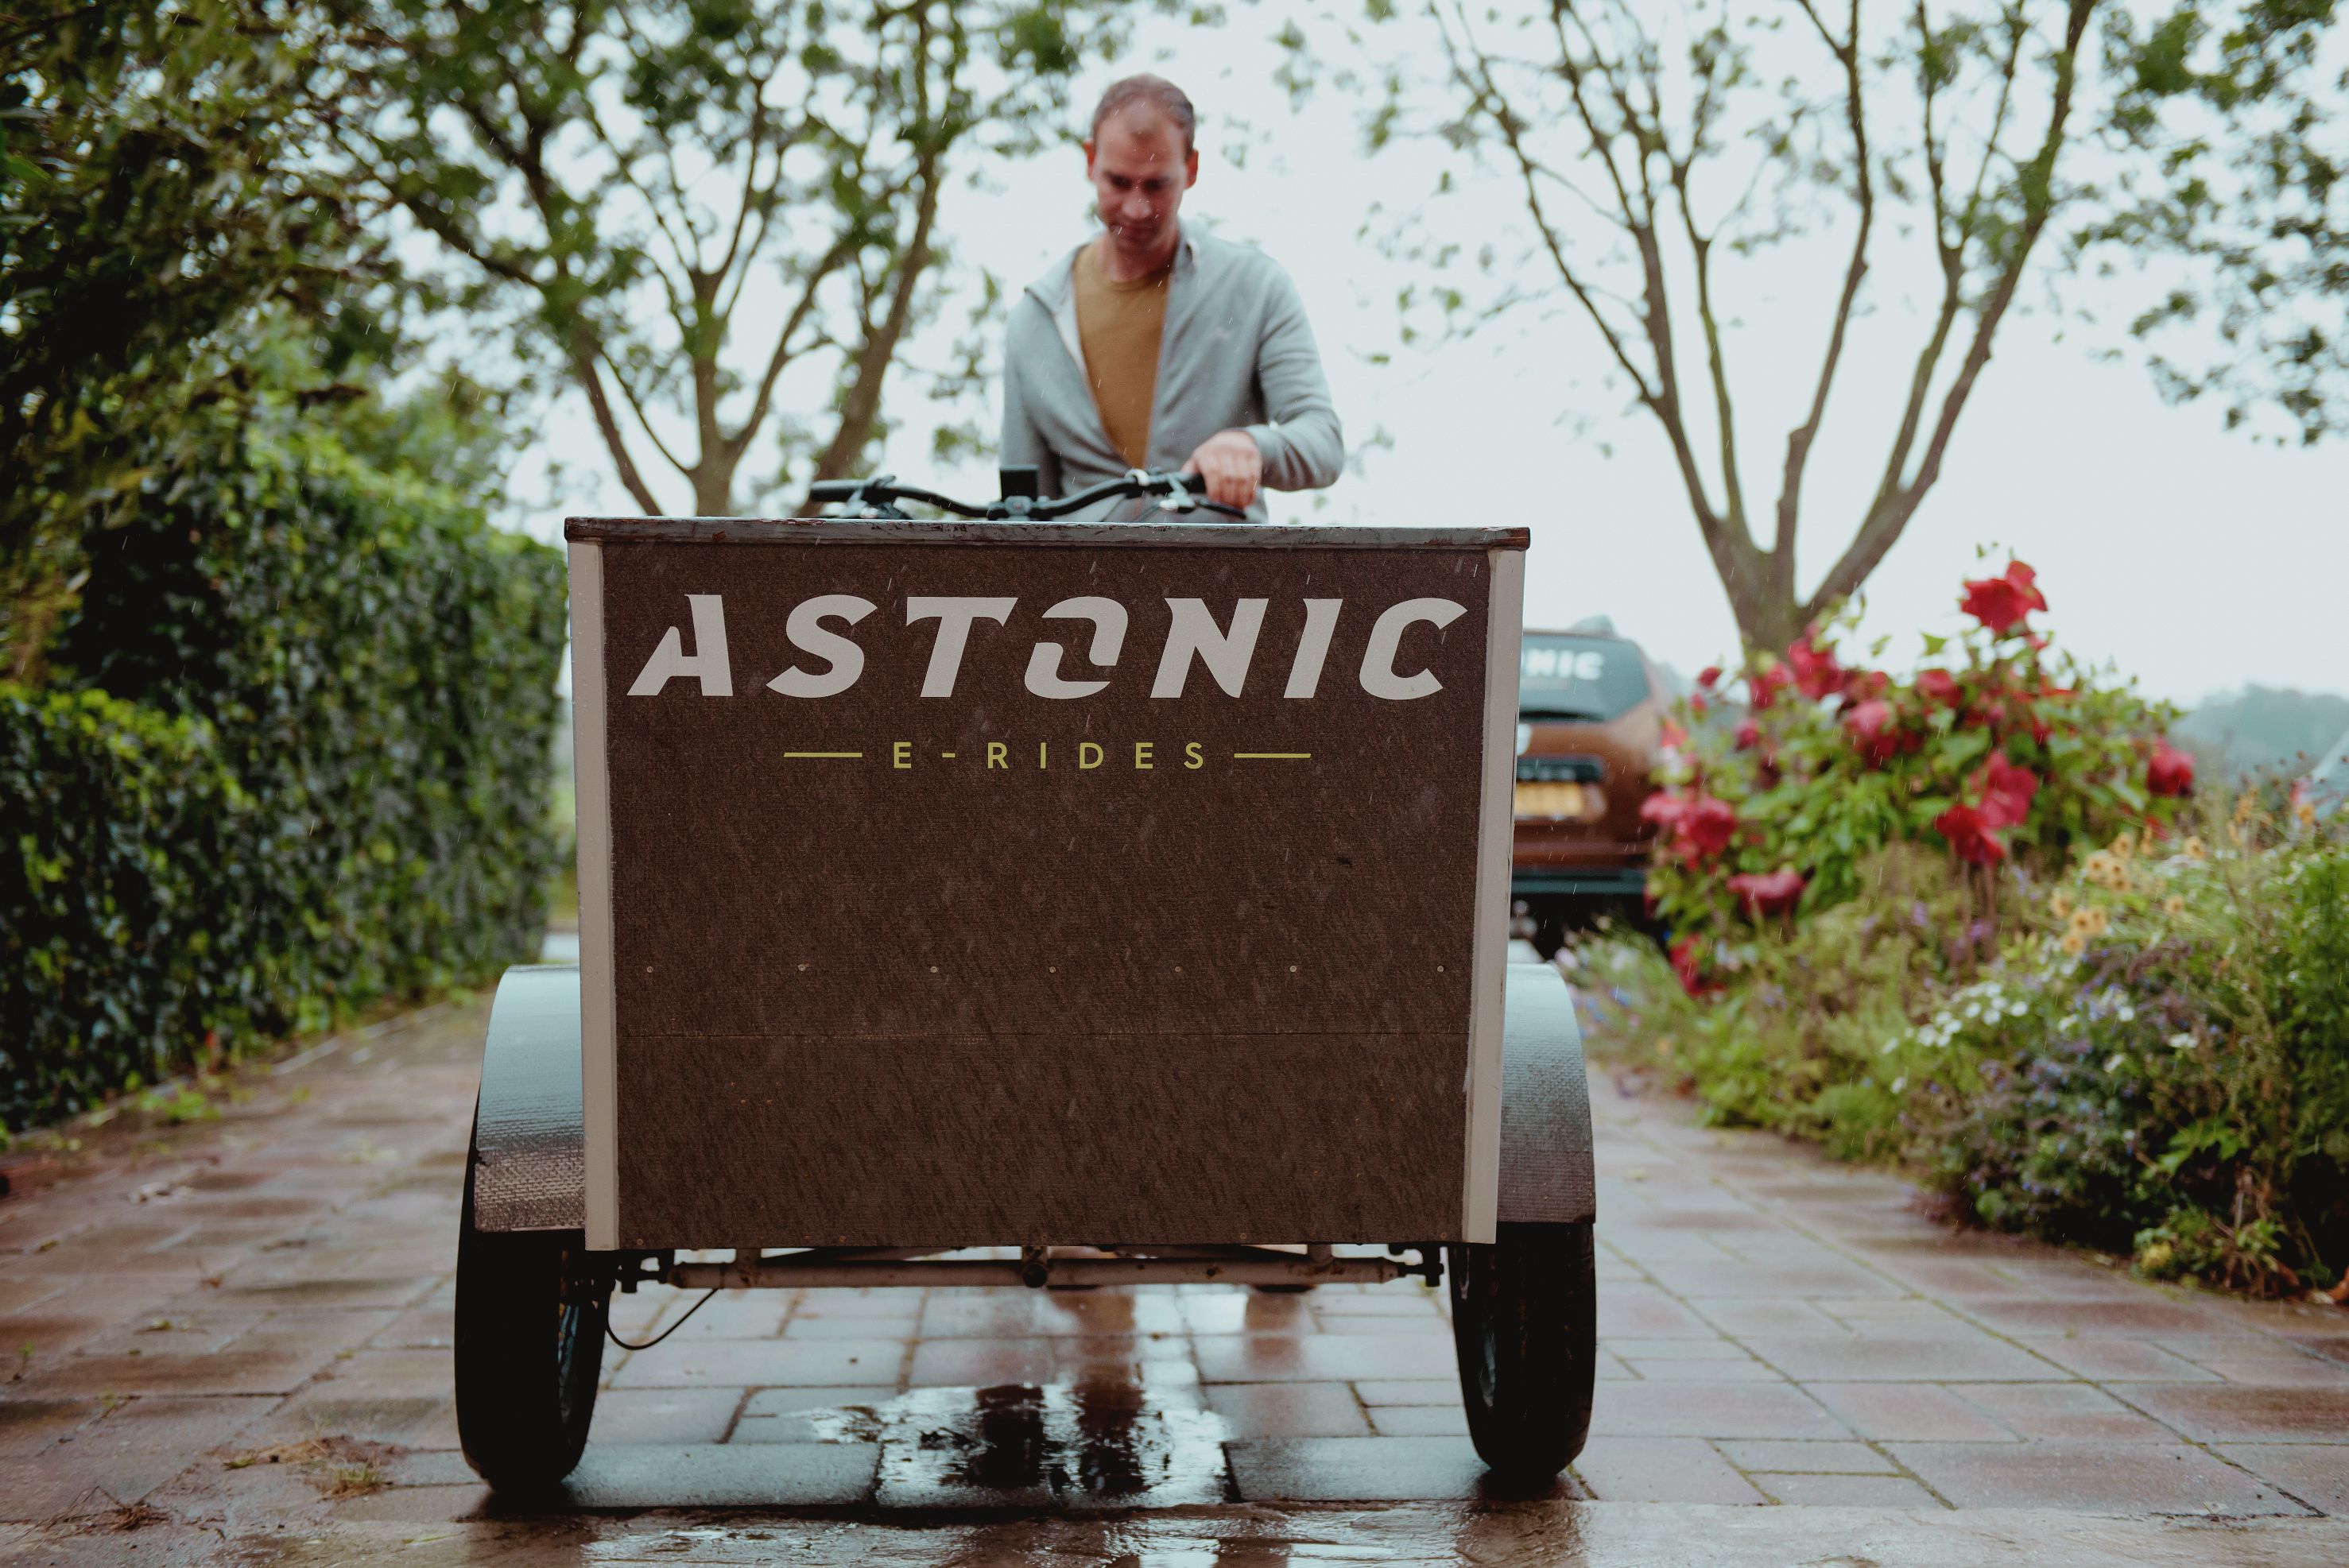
{"points": [[1031, 902]]}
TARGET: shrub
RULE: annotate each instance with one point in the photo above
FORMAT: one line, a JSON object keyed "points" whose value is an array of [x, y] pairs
{"points": [[335, 771], [2155, 1062], [2178, 1088], [1976, 919], [2000, 750], [117, 908]]}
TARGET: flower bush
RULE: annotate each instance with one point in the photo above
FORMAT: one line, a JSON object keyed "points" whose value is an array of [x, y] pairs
{"points": [[2153, 1061], [1999, 749], [2174, 1081], [1989, 928]]}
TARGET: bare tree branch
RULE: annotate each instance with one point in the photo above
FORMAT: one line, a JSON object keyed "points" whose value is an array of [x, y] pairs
{"points": [[1799, 440], [638, 408], [583, 352], [784, 351], [1885, 523]]}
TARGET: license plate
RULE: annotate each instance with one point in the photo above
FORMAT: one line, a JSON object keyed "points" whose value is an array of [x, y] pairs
{"points": [[1561, 802]]}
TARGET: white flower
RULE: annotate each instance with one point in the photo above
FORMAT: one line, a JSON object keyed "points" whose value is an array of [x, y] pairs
{"points": [[1901, 1083], [2181, 1042], [2113, 1063]]}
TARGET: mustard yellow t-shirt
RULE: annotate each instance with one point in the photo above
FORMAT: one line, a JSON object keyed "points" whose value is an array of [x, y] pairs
{"points": [[1119, 326]]}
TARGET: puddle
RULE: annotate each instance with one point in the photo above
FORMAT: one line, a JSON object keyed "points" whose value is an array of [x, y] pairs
{"points": [[1108, 1441]]}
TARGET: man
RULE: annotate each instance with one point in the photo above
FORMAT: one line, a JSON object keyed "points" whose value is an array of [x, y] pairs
{"points": [[1155, 346]]}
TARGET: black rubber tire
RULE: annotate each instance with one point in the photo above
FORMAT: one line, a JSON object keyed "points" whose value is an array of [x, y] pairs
{"points": [[1524, 1321], [528, 1359]]}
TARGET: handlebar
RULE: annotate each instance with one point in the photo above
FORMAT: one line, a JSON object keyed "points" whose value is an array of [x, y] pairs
{"points": [[877, 497]]}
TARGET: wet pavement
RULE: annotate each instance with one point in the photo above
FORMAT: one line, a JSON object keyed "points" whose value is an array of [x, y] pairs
{"points": [[229, 1341]]}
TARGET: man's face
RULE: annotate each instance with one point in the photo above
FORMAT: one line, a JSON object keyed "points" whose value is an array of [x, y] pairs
{"points": [[1140, 171]]}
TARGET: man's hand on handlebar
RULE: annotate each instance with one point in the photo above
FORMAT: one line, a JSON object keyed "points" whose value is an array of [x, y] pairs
{"points": [[1232, 466], [878, 497]]}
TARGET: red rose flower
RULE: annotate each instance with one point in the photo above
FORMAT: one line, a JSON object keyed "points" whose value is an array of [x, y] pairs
{"points": [[1709, 677], [2006, 792], [1760, 893], [1764, 684], [1969, 837], [1938, 685], [1815, 670], [1707, 825], [1697, 705], [2170, 771], [1700, 826], [1859, 686], [1870, 724], [1749, 735], [2001, 603]]}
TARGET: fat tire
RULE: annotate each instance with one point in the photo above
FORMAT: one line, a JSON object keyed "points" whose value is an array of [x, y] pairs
{"points": [[1524, 1321], [529, 1356]]}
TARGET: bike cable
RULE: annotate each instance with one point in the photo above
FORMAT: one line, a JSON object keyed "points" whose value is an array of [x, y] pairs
{"points": [[665, 1333]]}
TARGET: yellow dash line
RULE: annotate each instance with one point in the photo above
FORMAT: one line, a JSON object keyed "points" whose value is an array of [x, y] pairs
{"points": [[823, 754], [1272, 756], [947, 754]]}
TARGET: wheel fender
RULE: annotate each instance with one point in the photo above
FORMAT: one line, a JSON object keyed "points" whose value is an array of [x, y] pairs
{"points": [[1546, 1166], [530, 1138]]}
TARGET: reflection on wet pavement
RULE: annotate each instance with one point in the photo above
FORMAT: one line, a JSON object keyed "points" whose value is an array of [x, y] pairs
{"points": [[1096, 1441]]}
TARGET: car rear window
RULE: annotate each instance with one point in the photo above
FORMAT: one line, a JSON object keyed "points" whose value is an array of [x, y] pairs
{"points": [[1579, 677]]}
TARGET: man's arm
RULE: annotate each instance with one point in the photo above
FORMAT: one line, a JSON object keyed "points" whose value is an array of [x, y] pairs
{"points": [[1022, 443], [1303, 447]]}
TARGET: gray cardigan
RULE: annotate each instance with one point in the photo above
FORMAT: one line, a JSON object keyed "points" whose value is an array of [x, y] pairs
{"points": [[1235, 353]]}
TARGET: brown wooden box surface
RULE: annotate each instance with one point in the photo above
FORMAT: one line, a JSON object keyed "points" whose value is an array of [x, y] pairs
{"points": [[875, 967]]}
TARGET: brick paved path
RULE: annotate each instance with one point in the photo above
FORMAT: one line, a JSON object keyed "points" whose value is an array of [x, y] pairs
{"points": [[242, 1325]]}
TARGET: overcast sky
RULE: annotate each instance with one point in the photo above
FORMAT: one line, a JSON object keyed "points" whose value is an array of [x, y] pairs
{"points": [[2197, 560]]}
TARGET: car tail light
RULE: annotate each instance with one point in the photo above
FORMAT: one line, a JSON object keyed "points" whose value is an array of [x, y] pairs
{"points": [[1558, 801]]}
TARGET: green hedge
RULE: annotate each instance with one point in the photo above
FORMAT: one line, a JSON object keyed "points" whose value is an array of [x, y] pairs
{"points": [[308, 769], [113, 929]]}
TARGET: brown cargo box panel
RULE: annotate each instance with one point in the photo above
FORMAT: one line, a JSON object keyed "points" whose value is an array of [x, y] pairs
{"points": [[909, 953]]}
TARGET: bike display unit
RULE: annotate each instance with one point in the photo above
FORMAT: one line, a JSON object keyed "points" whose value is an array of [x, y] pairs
{"points": [[1126, 900]]}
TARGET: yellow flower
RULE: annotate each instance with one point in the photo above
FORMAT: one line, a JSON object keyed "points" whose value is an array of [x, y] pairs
{"points": [[2074, 942], [2245, 804], [2306, 813], [2096, 921], [2084, 920], [2124, 846], [2195, 849], [2099, 866], [2174, 905], [2059, 904]]}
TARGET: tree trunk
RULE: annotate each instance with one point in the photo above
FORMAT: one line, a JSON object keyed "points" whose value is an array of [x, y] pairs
{"points": [[1763, 599], [713, 485]]}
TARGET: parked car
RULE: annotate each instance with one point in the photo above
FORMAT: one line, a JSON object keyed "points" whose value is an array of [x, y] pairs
{"points": [[1590, 712]]}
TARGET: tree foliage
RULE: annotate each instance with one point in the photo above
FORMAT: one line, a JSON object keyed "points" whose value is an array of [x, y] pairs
{"points": [[687, 203], [158, 184], [308, 768], [2233, 115], [1652, 151]]}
